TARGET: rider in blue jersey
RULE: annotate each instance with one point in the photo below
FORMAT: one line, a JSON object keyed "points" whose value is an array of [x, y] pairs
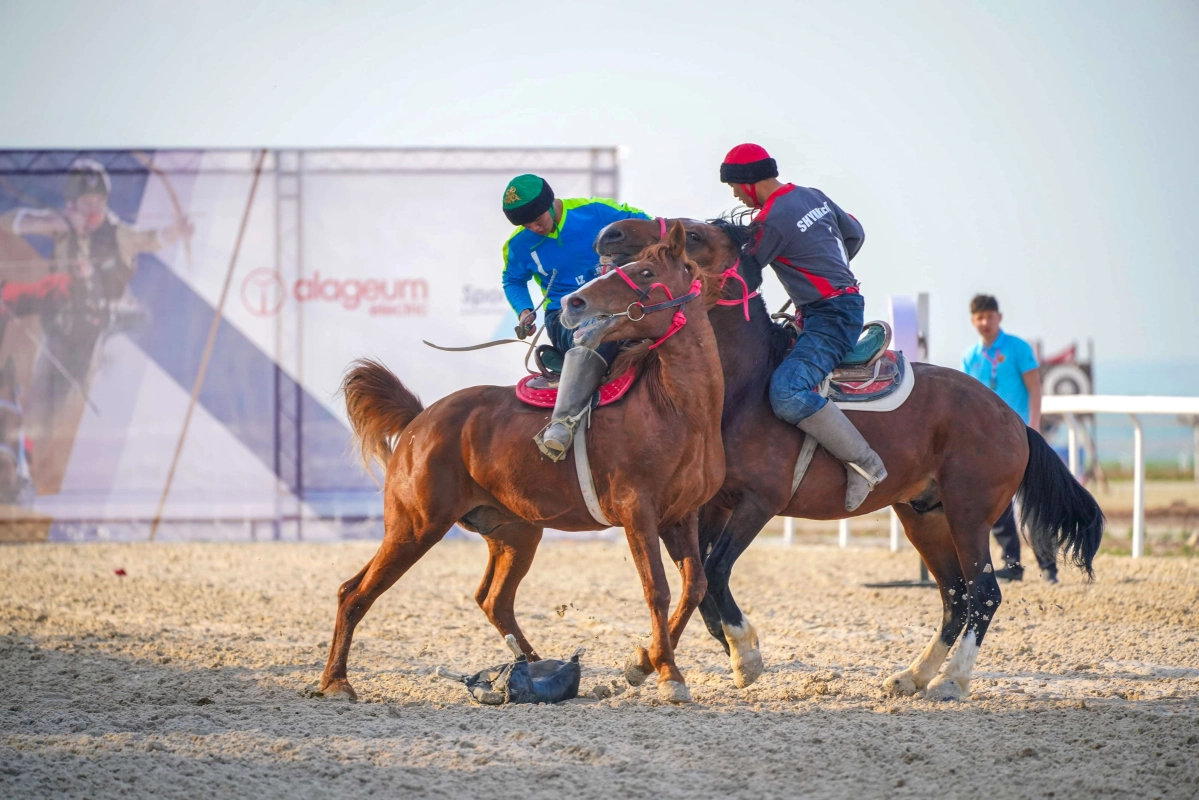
{"points": [[554, 246]]}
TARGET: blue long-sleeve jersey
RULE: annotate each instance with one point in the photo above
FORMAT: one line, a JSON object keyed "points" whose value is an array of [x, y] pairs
{"points": [[569, 250]]}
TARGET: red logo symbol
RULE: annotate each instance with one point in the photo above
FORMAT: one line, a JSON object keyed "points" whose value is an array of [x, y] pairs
{"points": [[263, 292]]}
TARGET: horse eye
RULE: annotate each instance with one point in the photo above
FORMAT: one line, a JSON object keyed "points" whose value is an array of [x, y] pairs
{"points": [[645, 273], [693, 235]]}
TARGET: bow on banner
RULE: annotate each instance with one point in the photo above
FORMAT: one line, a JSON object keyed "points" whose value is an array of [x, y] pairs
{"points": [[148, 162]]}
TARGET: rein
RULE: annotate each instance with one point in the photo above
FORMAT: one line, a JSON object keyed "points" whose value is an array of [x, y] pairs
{"points": [[679, 320], [746, 294]]}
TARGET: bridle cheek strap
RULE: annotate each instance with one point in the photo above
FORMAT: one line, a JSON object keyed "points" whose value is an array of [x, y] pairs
{"points": [[746, 294], [679, 319]]}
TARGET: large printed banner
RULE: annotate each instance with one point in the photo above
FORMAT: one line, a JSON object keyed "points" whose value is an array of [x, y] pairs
{"points": [[113, 265]]}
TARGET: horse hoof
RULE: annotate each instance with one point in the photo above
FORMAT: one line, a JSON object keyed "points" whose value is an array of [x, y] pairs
{"points": [[340, 690], [747, 668], [673, 692], [900, 685], [945, 689], [634, 670]]}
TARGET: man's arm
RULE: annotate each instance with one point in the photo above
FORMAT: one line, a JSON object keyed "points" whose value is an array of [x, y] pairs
{"points": [[1032, 380], [852, 232], [516, 278], [33, 222]]}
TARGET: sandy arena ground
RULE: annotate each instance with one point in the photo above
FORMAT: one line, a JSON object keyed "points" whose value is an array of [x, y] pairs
{"points": [[193, 675]]}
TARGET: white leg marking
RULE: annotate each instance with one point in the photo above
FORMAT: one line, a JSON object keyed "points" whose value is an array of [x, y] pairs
{"points": [[954, 683], [923, 669], [744, 653]]}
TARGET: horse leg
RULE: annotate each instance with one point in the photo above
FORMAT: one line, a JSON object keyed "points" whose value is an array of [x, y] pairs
{"points": [[970, 522], [930, 534], [712, 521], [511, 548], [647, 556], [403, 545], [746, 521]]}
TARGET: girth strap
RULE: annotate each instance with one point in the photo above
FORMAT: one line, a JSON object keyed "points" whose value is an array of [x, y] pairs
{"points": [[806, 451], [583, 470]]}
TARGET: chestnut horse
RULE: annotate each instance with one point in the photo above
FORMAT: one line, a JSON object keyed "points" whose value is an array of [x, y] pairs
{"points": [[955, 455], [470, 458]]}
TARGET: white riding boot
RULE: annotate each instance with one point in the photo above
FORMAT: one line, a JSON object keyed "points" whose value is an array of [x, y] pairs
{"points": [[582, 370], [864, 469]]}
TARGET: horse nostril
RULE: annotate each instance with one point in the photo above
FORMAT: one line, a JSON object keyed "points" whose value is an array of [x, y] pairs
{"points": [[614, 235], [576, 303]]}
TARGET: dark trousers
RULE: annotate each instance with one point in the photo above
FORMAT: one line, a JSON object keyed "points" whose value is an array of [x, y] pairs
{"points": [[563, 338], [1007, 535]]}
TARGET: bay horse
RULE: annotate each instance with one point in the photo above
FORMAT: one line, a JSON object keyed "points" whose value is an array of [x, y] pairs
{"points": [[469, 458], [955, 453]]}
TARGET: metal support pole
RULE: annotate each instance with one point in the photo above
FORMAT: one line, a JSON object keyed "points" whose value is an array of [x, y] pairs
{"points": [[843, 533], [895, 533], [1138, 487], [1072, 444], [1195, 456], [788, 531]]}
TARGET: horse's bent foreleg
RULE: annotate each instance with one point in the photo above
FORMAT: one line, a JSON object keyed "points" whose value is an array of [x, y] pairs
{"points": [[401, 548], [511, 548], [712, 521], [647, 556], [682, 543], [930, 535], [747, 520]]}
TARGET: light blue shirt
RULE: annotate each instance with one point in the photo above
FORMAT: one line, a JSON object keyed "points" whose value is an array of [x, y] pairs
{"points": [[1001, 367]]}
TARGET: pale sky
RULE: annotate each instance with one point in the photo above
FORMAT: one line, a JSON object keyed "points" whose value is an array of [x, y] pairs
{"points": [[1044, 152]]}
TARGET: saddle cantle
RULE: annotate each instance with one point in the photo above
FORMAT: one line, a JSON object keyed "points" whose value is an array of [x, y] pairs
{"points": [[538, 391]]}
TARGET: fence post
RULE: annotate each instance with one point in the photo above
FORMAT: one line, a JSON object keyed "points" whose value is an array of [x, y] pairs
{"points": [[1072, 444], [1138, 487], [788, 531], [843, 533], [895, 540]]}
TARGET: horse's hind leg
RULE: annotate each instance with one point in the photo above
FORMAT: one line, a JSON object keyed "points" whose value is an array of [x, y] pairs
{"points": [[971, 524], [511, 548], [403, 545], [930, 535], [747, 520]]}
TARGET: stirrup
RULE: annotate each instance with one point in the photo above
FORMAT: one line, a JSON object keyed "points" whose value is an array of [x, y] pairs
{"points": [[871, 480], [571, 424]]}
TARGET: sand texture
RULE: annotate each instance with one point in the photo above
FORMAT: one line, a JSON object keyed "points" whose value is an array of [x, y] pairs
{"points": [[193, 676]]}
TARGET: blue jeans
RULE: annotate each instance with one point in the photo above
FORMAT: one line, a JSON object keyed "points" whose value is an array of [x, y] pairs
{"points": [[563, 338], [830, 330]]}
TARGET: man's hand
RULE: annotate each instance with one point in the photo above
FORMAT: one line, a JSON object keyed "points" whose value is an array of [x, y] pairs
{"points": [[1032, 381], [182, 228], [527, 325]]}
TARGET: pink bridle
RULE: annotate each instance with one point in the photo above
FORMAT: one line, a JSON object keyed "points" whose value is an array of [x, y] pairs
{"points": [[679, 319]]}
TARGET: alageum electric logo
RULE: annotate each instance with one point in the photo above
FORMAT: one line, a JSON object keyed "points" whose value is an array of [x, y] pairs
{"points": [[263, 293]]}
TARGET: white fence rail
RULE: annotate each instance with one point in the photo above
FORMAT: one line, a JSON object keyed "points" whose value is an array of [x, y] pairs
{"points": [[1134, 407]]}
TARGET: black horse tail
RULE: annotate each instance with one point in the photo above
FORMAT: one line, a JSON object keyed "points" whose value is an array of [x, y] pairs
{"points": [[1058, 513]]}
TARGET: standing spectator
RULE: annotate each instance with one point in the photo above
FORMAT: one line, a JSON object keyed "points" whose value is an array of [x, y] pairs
{"points": [[1007, 365]]}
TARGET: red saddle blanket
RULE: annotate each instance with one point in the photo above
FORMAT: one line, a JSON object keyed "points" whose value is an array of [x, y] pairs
{"points": [[537, 391]]}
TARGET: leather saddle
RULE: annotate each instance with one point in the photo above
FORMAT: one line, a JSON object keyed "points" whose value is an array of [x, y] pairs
{"points": [[869, 371]]}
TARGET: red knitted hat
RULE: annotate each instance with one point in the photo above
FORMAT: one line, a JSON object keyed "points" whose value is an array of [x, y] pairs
{"points": [[748, 163]]}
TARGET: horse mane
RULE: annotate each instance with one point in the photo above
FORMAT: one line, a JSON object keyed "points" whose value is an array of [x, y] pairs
{"points": [[637, 356], [741, 230]]}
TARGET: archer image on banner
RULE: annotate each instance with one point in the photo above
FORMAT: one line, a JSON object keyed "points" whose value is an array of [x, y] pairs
{"points": [[65, 267]]}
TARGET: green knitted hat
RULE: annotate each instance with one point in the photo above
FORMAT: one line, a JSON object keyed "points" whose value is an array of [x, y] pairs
{"points": [[526, 198]]}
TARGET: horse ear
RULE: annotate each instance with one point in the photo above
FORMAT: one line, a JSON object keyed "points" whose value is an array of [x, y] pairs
{"points": [[676, 240]]}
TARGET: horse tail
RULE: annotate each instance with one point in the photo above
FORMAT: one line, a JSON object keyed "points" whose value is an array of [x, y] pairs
{"points": [[1058, 513], [379, 407]]}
